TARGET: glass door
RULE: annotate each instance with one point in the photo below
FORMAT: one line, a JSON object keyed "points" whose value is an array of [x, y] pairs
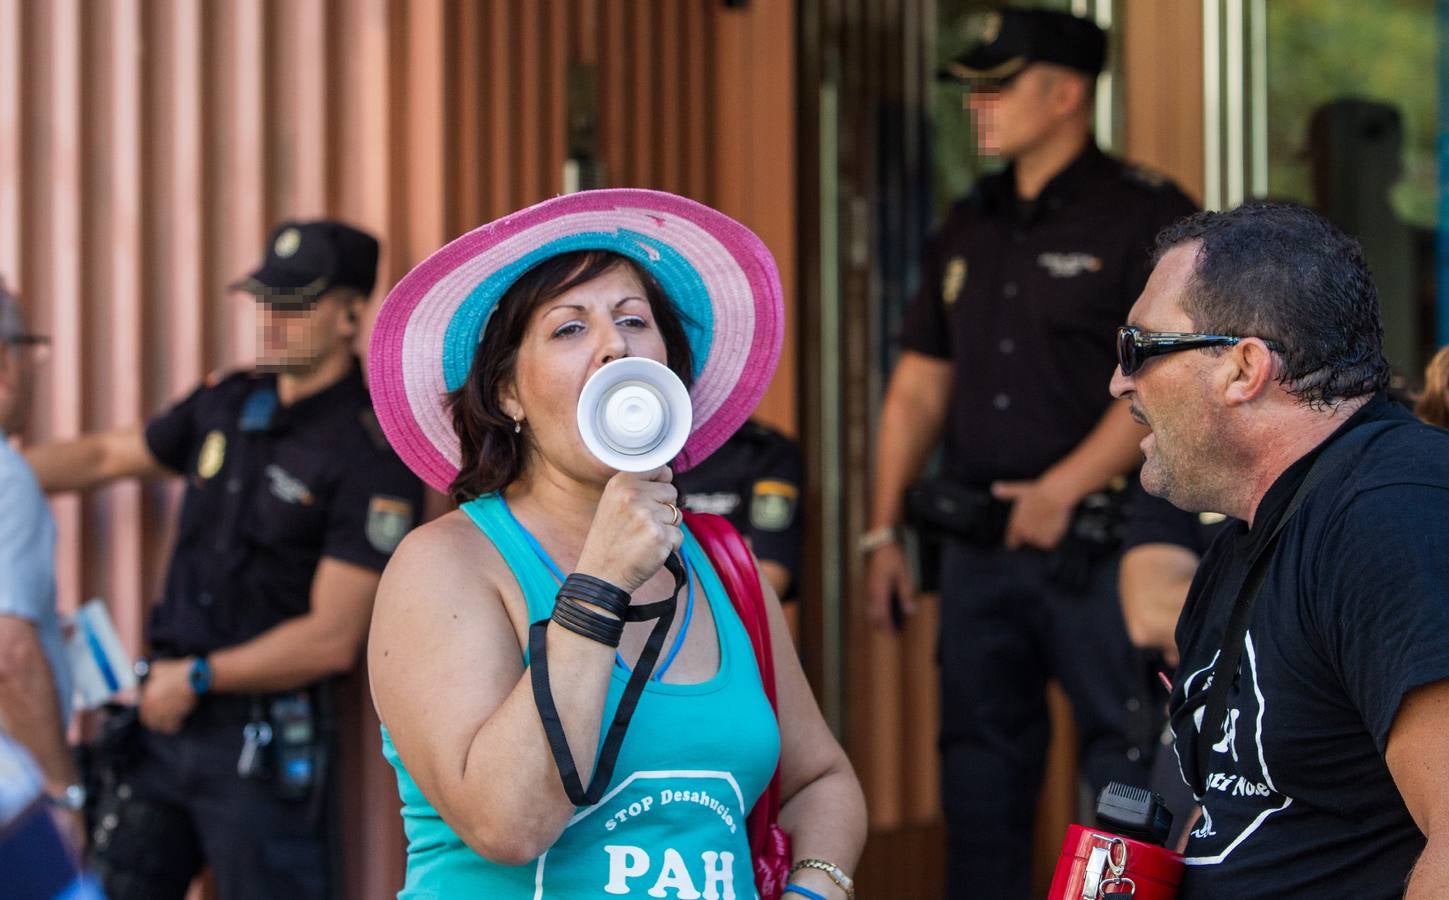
{"points": [[1336, 104]]}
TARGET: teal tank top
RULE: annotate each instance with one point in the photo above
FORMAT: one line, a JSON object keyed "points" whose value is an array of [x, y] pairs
{"points": [[672, 822]]}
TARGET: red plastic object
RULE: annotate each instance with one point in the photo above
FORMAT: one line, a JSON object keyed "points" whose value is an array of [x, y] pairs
{"points": [[1085, 868]]}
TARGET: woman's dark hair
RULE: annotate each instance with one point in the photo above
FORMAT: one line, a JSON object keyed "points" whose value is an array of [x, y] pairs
{"points": [[492, 453], [1281, 271]]}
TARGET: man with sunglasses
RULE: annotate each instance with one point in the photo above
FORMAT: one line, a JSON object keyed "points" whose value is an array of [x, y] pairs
{"points": [[1311, 702], [293, 503], [34, 677], [1004, 350]]}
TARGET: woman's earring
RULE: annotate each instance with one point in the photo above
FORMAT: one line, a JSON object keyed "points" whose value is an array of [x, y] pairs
{"points": [[518, 426]]}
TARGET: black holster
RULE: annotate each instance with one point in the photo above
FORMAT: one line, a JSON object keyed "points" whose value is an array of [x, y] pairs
{"points": [[956, 511], [105, 761]]}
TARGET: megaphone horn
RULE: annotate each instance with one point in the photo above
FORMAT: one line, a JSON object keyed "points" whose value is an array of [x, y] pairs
{"points": [[634, 414]]}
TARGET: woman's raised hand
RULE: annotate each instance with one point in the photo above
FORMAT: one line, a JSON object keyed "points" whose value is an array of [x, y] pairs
{"points": [[636, 527]]}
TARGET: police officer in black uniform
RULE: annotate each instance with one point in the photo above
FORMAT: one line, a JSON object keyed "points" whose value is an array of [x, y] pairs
{"points": [[293, 503], [1005, 350], [753, 480]]}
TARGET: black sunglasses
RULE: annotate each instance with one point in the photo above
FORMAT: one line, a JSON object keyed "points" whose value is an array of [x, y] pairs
{"points": [[1135, 346], [289, 302], [27, 340]]}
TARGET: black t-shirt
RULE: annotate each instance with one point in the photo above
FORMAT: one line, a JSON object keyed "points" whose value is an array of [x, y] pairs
{"points": [[1024, 299], [270, 491], [754, 481], [1352, 615]]}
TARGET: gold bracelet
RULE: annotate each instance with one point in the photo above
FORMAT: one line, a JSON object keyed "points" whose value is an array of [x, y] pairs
{"points": [[836, 874]]}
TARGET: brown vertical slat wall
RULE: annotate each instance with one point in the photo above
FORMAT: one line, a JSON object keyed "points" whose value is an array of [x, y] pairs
{"points": [[1162, 96], [147, 145], [873, 57]]}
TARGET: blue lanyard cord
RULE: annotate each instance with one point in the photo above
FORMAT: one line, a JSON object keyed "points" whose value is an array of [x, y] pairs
{"points": [[684, 626], [559, 576]]}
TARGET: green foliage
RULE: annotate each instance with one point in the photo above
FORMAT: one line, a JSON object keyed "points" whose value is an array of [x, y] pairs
{"points": [[1385, 50]]}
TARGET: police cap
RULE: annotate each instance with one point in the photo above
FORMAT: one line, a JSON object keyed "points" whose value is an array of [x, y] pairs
{"points": [[1008, 40], [306, 259], [12, 322]]}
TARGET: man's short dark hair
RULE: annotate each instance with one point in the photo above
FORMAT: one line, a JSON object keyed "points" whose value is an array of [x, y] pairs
{"points": [[1281, 271]]}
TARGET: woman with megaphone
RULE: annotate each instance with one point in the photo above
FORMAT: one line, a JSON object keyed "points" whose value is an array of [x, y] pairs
{"points": [[575, 683]]}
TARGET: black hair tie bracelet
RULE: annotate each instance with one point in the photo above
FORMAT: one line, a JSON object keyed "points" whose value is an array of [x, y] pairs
{"points": [[570, 613], [608, 597]]}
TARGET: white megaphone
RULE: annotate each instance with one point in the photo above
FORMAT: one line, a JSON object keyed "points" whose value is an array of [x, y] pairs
{"points": [[634, 414]]}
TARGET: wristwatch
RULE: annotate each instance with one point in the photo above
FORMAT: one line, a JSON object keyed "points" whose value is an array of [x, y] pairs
{"points": [[876, 538], [71, 797], [200, 676]]}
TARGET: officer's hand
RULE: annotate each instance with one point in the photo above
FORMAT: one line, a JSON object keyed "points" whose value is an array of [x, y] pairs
{"points": [[166, 696], [887, 573], [633, 532], [1039, 516]]}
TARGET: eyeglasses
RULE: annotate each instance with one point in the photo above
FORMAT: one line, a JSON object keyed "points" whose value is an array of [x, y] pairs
{"points": [[36, 347], [1135, 346]]}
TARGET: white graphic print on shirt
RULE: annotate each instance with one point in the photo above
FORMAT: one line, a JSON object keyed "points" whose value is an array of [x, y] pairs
{"points": [[1240, 791], [677, 834]]}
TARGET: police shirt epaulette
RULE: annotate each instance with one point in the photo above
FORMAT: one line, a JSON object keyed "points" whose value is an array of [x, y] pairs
{"points": [[1144, 175], [753, 429], [217, 376], [373, 427]]}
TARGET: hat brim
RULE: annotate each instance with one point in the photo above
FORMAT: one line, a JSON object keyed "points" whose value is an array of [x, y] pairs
{"points": [[714, 270]]}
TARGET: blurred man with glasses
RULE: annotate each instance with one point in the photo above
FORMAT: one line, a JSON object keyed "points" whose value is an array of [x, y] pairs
{"points": [[34, 678]]}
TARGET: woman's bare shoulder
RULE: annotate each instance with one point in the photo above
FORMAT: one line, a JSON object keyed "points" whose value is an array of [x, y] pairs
{"points": [[446, 560], [443, 652], [447, 548], [439, 605]]}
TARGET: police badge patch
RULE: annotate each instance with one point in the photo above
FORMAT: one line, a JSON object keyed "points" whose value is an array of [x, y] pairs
{"points": [[953, 280], [288, 243], [772, 508], [212, 455], [990, 27], [1069, 265], [388, 520]]}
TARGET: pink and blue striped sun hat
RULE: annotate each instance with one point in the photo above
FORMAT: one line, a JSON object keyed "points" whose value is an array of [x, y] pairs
{"points": [[715, 271]]}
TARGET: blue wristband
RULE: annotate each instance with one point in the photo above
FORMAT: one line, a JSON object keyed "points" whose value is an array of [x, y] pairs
{"points": [[200, 676], [802, 891]]}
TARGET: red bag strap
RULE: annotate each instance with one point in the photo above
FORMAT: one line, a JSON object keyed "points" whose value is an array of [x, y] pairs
{"points": [[732, 561], [735, 565]]}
